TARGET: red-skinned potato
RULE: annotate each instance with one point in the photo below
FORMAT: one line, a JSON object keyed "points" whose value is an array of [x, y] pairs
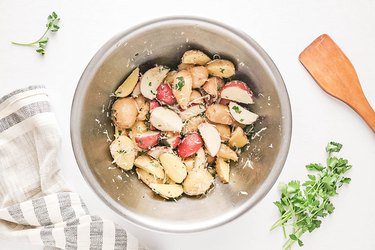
{"points": [[151, 80], [154, 104], [124, 112], [147, 139], [164, 94], [190, 145], [173, 139], [237, 91]]}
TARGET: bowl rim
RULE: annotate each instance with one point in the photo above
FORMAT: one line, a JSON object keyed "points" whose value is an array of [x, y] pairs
{"points": [[134, 218]]}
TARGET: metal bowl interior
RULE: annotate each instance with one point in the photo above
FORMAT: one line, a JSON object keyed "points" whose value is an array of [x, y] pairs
{"points": [[163, 42]]}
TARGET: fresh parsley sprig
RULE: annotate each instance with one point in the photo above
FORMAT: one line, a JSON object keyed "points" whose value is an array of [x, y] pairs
{"points": [[52, 25], [303, 206]]}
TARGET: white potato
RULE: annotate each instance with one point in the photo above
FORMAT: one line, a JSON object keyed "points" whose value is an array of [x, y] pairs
{"points": [[151, 80], [195, 57], [147, 178], [211, 137], [182, 88], [167, 191], [200, 159], [222, 170], [227, 153], [241, 114], [221, 68], [165, 120], [238, 138], [128, 85], [124, 112], [197, 182], [150, 165], [199, 75], [219, 113], [173, 166], [123, 152]]}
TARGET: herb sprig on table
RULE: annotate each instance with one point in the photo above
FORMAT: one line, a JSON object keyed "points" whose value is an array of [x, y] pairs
{"points": [[303, 206], [52, 25]]}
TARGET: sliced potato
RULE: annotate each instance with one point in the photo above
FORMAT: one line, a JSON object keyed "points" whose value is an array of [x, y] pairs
{"points": [[137, 90], [192, 111], [123, 152], [200, 159], [222, 170], [182, 88], [189, 163], [241, 114], [195, 57], [166, 120], [150, 165], [199, 75], [173, 166], [192, 124], [143, 107], [211, 137], [185, 66], [197, 182], [167, 191], [147, 178], [238, 138], [221, 68], [124, 112], [224, 131], [128, 85], [227, 153], [219, 113], [151, 80]]}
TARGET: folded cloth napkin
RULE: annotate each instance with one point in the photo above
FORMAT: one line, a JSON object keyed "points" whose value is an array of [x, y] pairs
{"points": [[35, 204]]}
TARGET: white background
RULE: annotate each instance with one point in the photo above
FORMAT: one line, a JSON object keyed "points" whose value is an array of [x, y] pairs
{"points": [[283, 29]]}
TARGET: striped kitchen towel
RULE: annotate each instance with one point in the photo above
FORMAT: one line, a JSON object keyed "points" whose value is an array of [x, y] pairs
{"points": [[35, 204]]}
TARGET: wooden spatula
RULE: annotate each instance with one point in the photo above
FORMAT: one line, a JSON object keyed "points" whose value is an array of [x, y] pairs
{"points": [[336, 75]]}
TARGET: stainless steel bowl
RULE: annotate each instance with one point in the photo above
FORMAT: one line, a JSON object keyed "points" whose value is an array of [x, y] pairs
{"points": [[163, 41]]}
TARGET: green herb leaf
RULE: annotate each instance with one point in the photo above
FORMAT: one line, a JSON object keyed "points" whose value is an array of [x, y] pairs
{"points": [[52, 21], [236, 109], [303, 206], [180, 83]]}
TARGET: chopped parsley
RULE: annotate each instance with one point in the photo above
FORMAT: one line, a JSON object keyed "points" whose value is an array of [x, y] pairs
{"points": [[180, 83], [241, 120], [150, 83], [152, 92], [222, 70], [236, 109]]}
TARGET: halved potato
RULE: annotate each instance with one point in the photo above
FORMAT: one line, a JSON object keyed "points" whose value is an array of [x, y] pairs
{"points": [[221, 68], [147, 178], [151, 80], [197, 182], [192, 111], [224, 131], [199, 75], [170, 77], [123, 152], [200, 159], [150, 165], [238, 138], [128, 85], [124, 112], [211, 137], [185, 66], [173, 166], [226, 152], [196, 97], [219, 113], [166, 120], [167, 191], [195, 57], [222, 170], [182, 88], [241, 114]]}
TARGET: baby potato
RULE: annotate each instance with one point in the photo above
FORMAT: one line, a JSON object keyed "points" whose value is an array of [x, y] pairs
{"points": [[128, 85], [227, 153], [150, 165], [185, 66], [173, 166], [192, 124], [143, 107], [197, 182], [170, 77], [196, 97], [219, 113], [124, 112], [199, 75], [182, 88], [222, 170], [167, 191], [221, 68], [147, 178], [224, 131], [238, 138], [195, 57], [213, 85], [123, 152]]}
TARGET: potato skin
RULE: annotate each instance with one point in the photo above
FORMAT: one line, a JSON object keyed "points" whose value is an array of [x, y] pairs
{"points": [[219, 113], [221, 68], [124, 112], [182, 88], [199, 75], [196, 57], [224, 131]]}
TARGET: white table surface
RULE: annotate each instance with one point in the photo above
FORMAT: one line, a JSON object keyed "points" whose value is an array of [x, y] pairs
{"points": [[283, 29]]}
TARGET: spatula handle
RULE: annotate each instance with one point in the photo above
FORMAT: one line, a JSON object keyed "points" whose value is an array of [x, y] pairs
{"points": [[364, 109]]}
